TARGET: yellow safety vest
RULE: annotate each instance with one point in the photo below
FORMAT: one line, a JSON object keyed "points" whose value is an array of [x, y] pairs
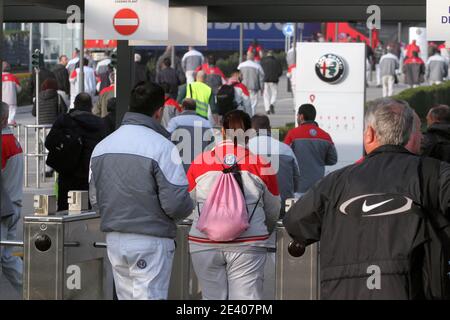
{"points": [[201, 93]]}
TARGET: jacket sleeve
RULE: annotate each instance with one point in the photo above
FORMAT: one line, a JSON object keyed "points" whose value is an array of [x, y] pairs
{"points": [[271, 198], [444, 189], [172, 187], [332, 156], [296, 171], [92, 190], [303, 221]]}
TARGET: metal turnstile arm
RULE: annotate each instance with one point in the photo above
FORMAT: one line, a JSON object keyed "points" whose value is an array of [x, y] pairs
{"points": [[100, 245]]}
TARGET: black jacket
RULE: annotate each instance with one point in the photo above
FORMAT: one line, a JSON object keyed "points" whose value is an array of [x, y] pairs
{"points": [[169, 76], [436, 142], [50, 106], [62, 78], [272, 69], [368, 216], [92, 131]]}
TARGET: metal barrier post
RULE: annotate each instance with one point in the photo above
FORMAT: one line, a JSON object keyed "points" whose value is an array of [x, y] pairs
{"points": [[38, 167], [26, 158]]}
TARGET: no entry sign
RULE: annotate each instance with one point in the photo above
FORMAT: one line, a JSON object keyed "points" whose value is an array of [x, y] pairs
{"points": [[126, 22], [127, 19]]}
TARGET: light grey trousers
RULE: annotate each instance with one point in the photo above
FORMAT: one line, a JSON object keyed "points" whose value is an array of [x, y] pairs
{"points": [[227, 275]]}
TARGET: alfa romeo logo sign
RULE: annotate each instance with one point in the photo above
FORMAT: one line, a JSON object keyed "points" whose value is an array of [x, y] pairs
{"points": [[330, 68]]}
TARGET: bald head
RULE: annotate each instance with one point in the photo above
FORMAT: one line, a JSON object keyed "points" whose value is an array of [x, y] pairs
{"points": [[200, 76]]}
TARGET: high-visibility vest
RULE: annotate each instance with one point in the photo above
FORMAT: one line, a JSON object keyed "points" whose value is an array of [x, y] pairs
{"points": [[201, 93]]}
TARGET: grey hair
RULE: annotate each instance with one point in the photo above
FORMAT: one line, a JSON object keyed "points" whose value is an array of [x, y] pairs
{"points": [[392, 120]]}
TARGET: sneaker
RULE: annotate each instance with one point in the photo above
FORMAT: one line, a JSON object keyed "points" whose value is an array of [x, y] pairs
{"points": [[272, 109], [12, 124], [49, 174]]}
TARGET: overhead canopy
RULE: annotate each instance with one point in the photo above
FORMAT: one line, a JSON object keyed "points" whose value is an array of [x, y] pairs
{"points": [[243, 10]]}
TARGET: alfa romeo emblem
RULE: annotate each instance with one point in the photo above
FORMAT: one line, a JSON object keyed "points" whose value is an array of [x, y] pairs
{"points": [[330, 68]]}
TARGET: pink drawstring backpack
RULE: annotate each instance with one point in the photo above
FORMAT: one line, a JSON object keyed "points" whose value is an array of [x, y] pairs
{"points": [[224, 215]]}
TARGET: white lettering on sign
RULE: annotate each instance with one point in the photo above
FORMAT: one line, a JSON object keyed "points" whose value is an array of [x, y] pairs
{"points": [[74, 279]]}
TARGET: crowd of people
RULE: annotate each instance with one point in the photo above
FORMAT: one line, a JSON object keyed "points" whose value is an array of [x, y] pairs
{"points": [[199, 149]]}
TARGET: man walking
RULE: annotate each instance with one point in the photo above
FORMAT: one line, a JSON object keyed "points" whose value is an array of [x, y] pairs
{"points": [[191, 61], [312, 146], [12, 180], [389, 64], [279, 154], [253, 78], [437, 68], [62, 76], [10, 89], [140, 188], [414, 70], [376, 227], [272, 73]]}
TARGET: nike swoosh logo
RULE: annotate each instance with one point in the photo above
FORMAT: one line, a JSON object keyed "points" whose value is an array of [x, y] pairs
{"points": [[366, 208]]}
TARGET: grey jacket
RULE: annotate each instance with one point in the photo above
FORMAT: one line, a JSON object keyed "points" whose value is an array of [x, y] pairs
{"points": [[437, 68], [137, 181], [252, 75], [283, 161], [191, 60], [388, 64], [192, 134]]}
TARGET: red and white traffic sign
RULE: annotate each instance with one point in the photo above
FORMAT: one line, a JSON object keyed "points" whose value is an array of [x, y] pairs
{"points": [[126, 22]]}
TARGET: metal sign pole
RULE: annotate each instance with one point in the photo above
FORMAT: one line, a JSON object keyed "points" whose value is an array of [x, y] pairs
{"points": [[241, 42], [81, 59], [36, 100]]}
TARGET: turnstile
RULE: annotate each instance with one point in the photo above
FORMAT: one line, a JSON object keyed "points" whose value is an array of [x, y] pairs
{"points": [[64, 258], [296, 278], [61, 260]]}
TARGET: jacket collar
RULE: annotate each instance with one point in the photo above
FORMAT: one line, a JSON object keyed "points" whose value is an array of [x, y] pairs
{"points": [[138, 119], [189, 113], [309, 123], [7, 130], [388, 148]]}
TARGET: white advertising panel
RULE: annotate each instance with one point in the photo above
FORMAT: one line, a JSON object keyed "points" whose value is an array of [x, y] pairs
{"points": [[127, 19], [331, 76], [438, 20], [188, 26]]}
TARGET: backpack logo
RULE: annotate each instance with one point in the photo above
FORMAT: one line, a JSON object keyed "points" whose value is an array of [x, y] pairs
{"points": [[376, 205]]}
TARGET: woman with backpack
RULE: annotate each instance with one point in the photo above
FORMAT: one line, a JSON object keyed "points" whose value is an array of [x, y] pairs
{"points": [[51, 102], [237, 206]]}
